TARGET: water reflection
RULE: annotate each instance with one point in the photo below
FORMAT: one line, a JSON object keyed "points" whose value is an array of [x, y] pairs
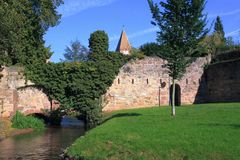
{"points": [[45, 145]]}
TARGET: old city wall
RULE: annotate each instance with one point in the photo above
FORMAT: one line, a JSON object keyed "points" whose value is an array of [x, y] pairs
{"points": [[17, 94], [145, 83], [223, 82], [140, 83]]}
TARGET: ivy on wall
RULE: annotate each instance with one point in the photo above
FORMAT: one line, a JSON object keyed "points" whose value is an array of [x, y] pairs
{"points": [[79, 85]]}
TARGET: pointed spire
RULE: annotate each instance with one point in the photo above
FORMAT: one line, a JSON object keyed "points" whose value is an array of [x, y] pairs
{"points": [[124, 46]]}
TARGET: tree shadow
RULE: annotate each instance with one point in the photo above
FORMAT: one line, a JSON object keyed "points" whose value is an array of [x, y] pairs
{"points": [[236, 126], [121, 115]]}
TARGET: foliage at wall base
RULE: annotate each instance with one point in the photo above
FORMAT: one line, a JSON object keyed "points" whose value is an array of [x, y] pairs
{"points": [[79, 85], [20, 121]]}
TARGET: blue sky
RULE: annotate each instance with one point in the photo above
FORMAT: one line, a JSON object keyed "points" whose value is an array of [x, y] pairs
{"points": [[82, 17]]}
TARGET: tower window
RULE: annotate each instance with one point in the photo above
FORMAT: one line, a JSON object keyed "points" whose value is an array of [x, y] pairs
{"points": [[147, 81], [132, 81], [118, 81]]}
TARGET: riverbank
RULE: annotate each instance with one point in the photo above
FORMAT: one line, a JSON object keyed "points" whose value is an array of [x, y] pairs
{"points": [[209, 131], [6, 129]]}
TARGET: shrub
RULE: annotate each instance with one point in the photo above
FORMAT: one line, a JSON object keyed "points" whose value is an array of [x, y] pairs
{"points": [[21, 121], [150, 49]]}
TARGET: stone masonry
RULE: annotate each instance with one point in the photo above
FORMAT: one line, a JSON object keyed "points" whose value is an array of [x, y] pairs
{"points": [[223, 82], [138, 85], [17, 94]]}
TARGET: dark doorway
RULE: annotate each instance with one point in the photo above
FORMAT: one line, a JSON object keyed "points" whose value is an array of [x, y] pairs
{"points": [[177, 94], [41, 116]]}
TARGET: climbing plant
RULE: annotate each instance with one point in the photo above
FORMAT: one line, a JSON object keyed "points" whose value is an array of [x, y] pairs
{"points": [[78, 85]]}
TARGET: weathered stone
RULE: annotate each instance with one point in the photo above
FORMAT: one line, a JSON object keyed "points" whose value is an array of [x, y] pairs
{"points": [[17, 94], [141, 88]]}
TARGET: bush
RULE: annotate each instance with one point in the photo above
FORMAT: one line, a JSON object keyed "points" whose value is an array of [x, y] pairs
{"points": [[20, 121]]}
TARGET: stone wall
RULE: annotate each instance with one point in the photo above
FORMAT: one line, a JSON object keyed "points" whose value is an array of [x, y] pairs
{"points": [[138, 85], [17, 94], [223, 82]]}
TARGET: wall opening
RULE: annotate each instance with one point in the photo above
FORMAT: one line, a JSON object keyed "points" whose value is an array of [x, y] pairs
{"points": [[147, 81], [118, 81], [40, 116], [132, 81], [186, 81], [177, 94]]}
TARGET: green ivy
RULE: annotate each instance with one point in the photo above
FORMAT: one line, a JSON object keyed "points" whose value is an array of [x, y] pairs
{"points": [[79, 85]]}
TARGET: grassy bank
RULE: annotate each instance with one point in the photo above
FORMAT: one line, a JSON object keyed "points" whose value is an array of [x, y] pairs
{"points": [[5, 128], [210, 131], [21, 121], [19, 124]]}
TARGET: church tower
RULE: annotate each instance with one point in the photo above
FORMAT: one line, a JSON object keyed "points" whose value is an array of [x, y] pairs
{"points": [[124, 46]]}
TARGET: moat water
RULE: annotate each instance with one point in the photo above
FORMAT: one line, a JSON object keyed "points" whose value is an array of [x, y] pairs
{"points": [[44, 145]]}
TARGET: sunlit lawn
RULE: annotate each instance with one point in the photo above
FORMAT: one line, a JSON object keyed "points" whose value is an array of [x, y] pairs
{"points": [[210, 131]]}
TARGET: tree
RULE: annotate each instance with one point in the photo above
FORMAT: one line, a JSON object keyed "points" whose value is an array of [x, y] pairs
{"points": [[98, 44], [23, 24], [181, 27], [151, 49], [76, 52], [218, 28], [211, 44]]}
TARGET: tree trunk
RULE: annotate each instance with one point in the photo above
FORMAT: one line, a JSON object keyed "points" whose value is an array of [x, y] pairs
{"points": [[173, 97]]}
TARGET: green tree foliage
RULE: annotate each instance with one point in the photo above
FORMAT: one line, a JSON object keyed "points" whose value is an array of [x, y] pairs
{"points": [[137, 53], [218, 28], [23, 24], [181, 27], [211, 44], [80, 85], [151, 49], [98, 44], [76, 52]]}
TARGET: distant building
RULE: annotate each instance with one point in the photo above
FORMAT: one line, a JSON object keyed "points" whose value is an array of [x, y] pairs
{"points": [[124, 46]]}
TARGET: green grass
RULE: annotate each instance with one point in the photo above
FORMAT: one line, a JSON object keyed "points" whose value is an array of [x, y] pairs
{"points": [[19, 121], [199, 132]]}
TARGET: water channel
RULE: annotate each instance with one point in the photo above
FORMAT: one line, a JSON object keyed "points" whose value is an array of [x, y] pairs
{"points": [[44, 145]]}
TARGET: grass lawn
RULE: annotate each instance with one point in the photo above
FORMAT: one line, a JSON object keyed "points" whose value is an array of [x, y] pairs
{"points": [[198, 132]]}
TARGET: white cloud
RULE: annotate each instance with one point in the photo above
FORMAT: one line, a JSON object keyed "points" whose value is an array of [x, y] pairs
{"points": [[136, 34], [72, 7], [233, 33], [143, 32], [223, 14]]}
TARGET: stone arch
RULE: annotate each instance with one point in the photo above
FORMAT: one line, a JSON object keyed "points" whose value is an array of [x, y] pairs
{"points": [[32, 99], [177, 94], [41, 116]]}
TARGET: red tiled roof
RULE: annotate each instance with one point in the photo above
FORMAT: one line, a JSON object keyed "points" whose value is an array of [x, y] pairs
{"points": [[123, 44]]}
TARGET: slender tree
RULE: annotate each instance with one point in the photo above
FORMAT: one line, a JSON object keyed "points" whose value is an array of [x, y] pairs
{"points": [[181, 27], [76, 52], [218, 28]]}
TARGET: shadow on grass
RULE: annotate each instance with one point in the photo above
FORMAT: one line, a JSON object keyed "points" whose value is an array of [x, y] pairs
{"points": [[236, 126], [120, 115]]}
